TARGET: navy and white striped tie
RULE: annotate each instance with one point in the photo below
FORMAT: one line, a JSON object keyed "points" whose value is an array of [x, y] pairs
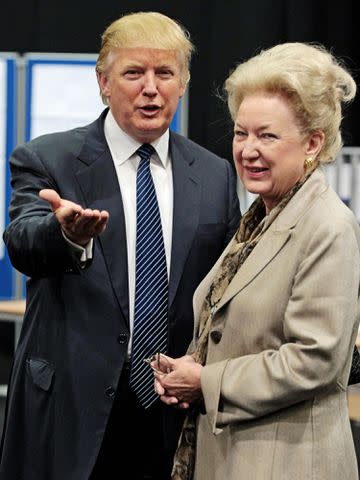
{"points": [[151, 283]]}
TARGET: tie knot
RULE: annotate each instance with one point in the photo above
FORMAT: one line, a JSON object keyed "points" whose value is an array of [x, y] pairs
{"points": [[145, 151]]}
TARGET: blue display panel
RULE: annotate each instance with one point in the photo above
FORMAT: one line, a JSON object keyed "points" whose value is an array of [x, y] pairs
{"points": [[8, 134]]}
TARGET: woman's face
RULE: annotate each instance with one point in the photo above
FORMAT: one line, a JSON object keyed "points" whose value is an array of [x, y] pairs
{"points": [[268, 148]]}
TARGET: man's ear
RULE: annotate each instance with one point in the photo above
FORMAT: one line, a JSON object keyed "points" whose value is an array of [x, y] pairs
{"points": [[103, 83], [182, 92]]}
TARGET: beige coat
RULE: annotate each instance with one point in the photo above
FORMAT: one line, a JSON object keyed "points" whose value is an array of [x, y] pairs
{"points": [[280, 350]]}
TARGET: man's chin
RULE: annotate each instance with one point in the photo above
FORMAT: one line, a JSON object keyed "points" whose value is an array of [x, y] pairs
{"points": [[149, 133]]}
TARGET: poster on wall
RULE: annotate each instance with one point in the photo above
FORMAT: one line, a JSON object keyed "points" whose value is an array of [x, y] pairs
{"points": [[8, 82], [61, 92], [2, 148]]}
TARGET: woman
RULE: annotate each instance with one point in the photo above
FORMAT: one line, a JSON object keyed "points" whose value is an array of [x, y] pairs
{"points": [[277, 316]]}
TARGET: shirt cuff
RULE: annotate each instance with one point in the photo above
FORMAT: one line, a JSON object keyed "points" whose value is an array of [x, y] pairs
{"points": [[82, 253]]}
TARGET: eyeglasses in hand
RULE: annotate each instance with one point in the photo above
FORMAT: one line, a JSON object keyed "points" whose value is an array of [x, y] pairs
{"points": [[159, 362]]}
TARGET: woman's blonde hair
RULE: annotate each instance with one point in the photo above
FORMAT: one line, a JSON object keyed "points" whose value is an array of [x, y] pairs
{"points": [[146, 30], [310, 77]]}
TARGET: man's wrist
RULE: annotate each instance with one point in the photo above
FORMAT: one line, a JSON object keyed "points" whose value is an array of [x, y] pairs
{"points": [[83, 252]]}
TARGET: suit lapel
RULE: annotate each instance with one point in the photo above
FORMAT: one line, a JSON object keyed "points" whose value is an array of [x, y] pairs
{"points": [[187, 190], [98, 181]]}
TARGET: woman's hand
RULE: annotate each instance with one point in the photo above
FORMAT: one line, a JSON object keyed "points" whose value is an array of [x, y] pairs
{"points": [[177, 381]]}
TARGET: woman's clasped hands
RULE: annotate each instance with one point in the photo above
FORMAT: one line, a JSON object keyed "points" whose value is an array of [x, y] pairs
{"points": [[177, 380]]}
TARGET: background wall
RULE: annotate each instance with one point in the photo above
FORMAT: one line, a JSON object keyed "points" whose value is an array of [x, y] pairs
{"points": [[224, 32]]}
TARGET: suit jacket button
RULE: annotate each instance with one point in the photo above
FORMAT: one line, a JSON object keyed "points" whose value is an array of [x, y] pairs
{"points": [[215, 336], [122, 338], [110, 392]]}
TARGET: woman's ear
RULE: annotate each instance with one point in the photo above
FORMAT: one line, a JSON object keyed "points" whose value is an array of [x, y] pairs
{"points": [[315, 143]]}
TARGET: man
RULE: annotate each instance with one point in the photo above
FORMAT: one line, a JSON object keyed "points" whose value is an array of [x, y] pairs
{"points": [[74, 407]]}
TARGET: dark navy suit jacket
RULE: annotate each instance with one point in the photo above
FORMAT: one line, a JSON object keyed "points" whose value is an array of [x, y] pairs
{"points": [[76, 327]]}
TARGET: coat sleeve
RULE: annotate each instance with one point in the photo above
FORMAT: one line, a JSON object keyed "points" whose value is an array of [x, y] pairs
{"points": [[319, 327], [33, 237]]}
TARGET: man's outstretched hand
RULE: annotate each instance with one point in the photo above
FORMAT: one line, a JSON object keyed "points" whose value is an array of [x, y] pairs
{"points": [[78, 224]]}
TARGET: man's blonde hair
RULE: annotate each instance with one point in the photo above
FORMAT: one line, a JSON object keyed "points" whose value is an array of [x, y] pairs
{"points": [[146, 30]]}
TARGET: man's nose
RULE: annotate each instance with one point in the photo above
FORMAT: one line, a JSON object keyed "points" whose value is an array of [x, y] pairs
{"points": [[150, 84]]}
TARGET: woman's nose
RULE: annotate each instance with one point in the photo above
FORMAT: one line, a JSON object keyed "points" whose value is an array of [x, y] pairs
{"points": [[250, 148]]}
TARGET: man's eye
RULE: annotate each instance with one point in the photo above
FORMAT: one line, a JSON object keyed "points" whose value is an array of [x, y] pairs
{"points": [[132, 73], [165, 73]]}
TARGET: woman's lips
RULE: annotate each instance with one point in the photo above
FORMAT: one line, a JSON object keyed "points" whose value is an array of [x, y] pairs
{"points": [[256, 172]]}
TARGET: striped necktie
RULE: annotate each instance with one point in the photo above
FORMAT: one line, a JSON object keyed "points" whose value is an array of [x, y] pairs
{"points": [[151, 283]]}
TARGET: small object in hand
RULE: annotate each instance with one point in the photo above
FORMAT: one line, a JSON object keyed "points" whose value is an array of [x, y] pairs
{"points": [[150, 360], [159, 363], [154, 358]]}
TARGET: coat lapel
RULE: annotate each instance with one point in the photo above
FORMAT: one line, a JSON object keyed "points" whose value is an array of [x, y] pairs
{"points": [[272, 242], [264, 252], [254, 264], [98, 181], [187, 190]]}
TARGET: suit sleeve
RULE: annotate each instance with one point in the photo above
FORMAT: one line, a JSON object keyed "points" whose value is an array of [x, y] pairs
{"points": [[33, 237], [319, 326], [234, 214]]}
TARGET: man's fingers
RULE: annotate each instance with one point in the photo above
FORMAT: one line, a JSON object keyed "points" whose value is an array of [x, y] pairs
{"points": [[52, 197], [56, 202], [68, 217], [91, 222], [81, 227], [78, 224], [101, 225]]}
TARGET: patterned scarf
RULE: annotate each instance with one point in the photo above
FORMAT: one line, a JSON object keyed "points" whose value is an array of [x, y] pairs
{"points": [[252, 227]]}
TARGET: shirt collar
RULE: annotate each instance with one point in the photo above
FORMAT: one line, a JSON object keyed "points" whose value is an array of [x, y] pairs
{"points": [[123, 146]]}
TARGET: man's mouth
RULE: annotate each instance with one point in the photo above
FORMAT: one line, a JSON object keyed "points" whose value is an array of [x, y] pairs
{"points": [[150, 108]]}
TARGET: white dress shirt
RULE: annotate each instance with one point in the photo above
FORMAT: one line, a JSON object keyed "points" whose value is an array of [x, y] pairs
{"points": [[123, 151], [123, 148]]}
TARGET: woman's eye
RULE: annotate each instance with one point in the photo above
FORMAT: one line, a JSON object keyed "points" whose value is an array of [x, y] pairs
{"points": [[240, 133]]}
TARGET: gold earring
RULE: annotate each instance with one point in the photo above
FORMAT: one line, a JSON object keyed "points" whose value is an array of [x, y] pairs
{"points": [[308, 163]]}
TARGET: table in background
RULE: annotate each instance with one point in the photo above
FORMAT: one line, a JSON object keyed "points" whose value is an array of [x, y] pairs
{"points": [[12, 311]]}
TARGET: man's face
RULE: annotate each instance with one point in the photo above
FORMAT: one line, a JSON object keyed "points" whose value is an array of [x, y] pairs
{"points": [[143, 87]]}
